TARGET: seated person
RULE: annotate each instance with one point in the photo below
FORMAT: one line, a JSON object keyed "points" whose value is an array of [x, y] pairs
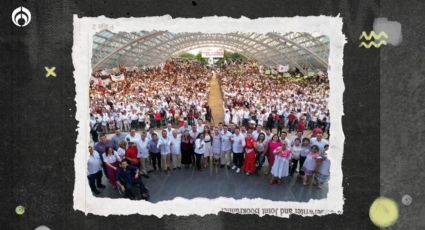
{"points": [[128, 175]]}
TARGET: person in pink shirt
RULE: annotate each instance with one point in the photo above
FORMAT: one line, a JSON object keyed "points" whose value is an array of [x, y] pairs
{"points": [[272, 145], [280, 167]]}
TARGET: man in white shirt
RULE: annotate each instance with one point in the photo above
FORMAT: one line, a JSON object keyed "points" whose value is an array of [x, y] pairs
{"points": [[132, 136], [284, 138], [319, 141], [134, 120], [169, 130], [226, 147], [238, 144], [143, 153], [175, 143], [94, 171]]}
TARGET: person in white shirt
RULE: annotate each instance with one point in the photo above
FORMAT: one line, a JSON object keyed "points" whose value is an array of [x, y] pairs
{"points": [[319, 141], [165, 150], [134, 119], [118, 120], [200, 126], [269, 135], [169, 130], [143, 153], [299, 135], [324, 169], [216, 145], [111, 159], [126, 121], [94, 171], [132, 136], [176, 156], [227, 117], [194, 132], [199, 150], [226, 147], [284, 138], [238, 144]]}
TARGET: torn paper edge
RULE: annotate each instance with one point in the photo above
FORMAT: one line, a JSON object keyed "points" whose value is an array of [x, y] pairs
{"points": [[86, 27]]}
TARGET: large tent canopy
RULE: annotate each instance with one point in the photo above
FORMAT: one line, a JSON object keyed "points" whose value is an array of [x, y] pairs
{"points": [[304, 51]]}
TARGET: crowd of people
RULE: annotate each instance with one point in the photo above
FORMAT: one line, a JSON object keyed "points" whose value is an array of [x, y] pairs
{"points": [[150, 97], [274, 102], [162, 122]]}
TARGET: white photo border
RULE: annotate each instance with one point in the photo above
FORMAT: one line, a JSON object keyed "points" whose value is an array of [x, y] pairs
{"points": [[86, 27]]}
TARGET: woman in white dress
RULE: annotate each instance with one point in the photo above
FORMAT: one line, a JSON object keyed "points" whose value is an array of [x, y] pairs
{"points": [[208, 146], [280, 167], [216, 145]]}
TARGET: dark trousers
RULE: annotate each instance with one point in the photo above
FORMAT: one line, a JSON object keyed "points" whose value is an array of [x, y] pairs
{"points": [[142, 124], [302, 159], [133, 124], [261, 157], [245, 122], [279, 130], [198, 160], [129, 188], [95, 179], [293, 166], [238, 159], [94, 135], [156, 157]]}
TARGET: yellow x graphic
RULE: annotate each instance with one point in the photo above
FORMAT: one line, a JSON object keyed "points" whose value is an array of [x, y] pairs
{"points": [[50, 71]]}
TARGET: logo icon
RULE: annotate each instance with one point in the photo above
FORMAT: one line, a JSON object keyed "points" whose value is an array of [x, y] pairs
{"points": [[376, 37], [21, 16]]}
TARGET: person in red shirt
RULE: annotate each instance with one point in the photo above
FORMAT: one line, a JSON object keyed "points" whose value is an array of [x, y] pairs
{"points": [[157, 117], [131, 154], [301, 125], [249, 163], [291, 121], [316, 131]]}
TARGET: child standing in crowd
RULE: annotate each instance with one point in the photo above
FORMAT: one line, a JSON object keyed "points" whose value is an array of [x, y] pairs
{"points": [[280, 167], [310, 164], [324, 169]]}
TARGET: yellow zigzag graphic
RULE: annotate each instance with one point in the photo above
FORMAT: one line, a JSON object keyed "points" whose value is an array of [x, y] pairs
{"points": [[374, 35], [372, 43]]}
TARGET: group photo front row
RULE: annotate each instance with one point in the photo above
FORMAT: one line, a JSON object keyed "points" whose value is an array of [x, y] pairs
{"points": [[124, 158]]}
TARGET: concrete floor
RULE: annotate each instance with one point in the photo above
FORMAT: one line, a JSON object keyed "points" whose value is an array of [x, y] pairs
{"points": [[214, 182]]}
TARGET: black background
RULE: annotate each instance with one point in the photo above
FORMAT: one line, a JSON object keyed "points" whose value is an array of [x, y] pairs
{"points": [[39, 127]]}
